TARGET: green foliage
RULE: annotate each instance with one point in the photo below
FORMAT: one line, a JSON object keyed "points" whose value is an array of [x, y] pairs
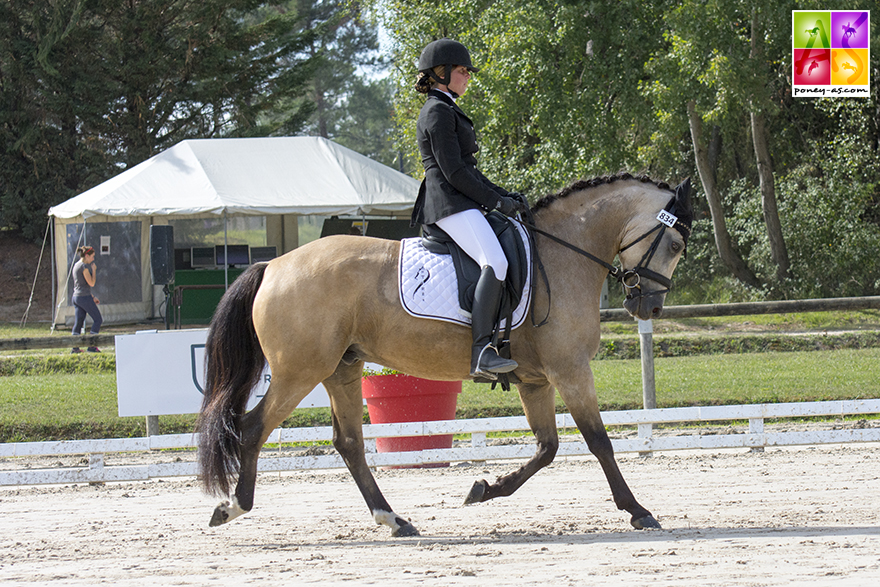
{"points": [[88, 88], [365, 121], [829, 207], [556, 93], [383, 371], [342, 40], [566, 90]]}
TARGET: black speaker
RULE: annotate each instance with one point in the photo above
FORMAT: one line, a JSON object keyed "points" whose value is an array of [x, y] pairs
{"points": [[162, 254]]}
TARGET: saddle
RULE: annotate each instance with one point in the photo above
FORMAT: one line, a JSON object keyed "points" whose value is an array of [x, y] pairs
{"points": [[467, 271]]}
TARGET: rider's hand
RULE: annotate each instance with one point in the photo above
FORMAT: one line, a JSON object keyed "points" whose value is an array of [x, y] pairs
{"points": [[522, 203], [506, 206]]}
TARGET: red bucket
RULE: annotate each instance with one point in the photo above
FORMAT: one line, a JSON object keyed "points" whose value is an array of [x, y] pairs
{"points": [[404, 398]]}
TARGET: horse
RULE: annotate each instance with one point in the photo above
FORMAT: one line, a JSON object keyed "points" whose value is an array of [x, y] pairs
{"points": [[319, 312]]}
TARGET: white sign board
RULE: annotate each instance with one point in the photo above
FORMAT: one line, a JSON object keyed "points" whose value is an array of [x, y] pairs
{"points": [[162, 372]]}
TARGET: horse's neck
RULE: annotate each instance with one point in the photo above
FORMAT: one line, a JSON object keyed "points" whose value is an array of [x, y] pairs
{"points": [[596, 220]]}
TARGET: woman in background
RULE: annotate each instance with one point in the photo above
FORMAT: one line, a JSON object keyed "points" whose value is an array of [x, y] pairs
{"points": [[84, 302]]}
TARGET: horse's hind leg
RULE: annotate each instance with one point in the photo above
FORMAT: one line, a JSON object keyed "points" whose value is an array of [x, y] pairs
{"points": [[539, 405], [255, 428], [346, 400]]}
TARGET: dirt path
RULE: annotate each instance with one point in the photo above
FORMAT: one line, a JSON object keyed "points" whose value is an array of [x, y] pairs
{"points": [[784, 517]]}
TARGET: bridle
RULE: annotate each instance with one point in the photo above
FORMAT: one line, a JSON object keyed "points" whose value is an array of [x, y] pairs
{"points": [[631, 279]]}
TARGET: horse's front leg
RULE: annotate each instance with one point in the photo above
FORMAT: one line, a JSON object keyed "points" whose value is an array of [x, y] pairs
{"points": [[346, 400], [580, 398], [540, 409]]}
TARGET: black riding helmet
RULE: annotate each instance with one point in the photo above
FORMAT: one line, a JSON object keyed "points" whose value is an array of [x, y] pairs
{"points": [[444, 52]]}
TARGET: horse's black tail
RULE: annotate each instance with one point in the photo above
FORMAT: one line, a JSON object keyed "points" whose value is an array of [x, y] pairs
{"points": [[234, 362]]}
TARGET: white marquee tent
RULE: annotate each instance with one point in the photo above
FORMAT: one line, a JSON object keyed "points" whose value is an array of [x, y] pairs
{"points": [[279, 178]]}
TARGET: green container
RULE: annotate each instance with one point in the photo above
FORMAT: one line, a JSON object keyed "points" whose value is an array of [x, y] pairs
{"points": [[198, 305]]}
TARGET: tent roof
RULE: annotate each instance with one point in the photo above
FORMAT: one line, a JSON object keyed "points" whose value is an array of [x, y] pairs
{"points": [[283, 175]]}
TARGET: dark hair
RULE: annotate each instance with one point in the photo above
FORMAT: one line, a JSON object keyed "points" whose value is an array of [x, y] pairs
{"points": [[83, 251], [425, 81]]}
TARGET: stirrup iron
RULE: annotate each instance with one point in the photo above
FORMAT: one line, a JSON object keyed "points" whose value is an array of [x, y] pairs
{"points": [[486, 363]]}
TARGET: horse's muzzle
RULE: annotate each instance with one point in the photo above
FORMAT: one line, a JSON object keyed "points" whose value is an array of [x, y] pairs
{"points": [[645, 307]]}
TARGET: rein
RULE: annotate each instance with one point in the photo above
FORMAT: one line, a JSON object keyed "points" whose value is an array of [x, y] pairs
{"points": [[629, 278]]}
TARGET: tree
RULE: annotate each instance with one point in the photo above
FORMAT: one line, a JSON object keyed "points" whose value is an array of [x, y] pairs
{"points": [[342, 42], [557, 92], [733, 66], [762, 152], [91, 87], [366, 120], [705, 167], [677, 88]]}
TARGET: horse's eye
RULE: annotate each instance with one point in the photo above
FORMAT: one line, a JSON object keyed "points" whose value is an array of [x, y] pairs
{"points": [[676, 246]]}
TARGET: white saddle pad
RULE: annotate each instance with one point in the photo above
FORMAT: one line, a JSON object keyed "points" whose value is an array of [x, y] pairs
{"points": [[429, 286]]}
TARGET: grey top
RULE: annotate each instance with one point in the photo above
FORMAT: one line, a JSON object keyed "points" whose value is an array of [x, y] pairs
{"points": [[81, 287]]}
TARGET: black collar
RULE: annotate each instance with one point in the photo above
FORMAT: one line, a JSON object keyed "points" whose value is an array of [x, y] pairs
{"points": [[447, 100]]}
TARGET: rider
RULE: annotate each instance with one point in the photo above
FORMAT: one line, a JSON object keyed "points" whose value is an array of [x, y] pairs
{"points": [[455, 196]]}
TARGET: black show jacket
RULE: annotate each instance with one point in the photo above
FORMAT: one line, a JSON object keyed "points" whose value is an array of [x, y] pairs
{"points": [[448, 143]]}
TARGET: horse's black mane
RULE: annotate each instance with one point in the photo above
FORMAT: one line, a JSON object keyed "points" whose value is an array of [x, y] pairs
{"points": [[591, 183]]}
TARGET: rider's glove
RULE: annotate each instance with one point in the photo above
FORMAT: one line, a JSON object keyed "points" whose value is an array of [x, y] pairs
{"points": [[522, 203], [507, 206]]}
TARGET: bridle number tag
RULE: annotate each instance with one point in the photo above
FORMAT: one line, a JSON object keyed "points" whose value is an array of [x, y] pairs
{"points": [[667, 218]]}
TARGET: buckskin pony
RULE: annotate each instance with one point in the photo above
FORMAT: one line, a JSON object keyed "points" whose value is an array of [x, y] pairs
{"points": [[319, 312]]}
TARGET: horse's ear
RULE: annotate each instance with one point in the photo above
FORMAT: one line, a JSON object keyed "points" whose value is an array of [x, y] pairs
{"points": [[683, 195]]}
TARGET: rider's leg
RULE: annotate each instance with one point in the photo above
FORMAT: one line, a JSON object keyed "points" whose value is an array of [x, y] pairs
{"points": [[471, 231]]}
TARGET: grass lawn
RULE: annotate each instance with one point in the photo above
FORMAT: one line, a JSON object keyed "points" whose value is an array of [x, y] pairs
{"points": [[83, 405], [69, 406], [719, 379]]}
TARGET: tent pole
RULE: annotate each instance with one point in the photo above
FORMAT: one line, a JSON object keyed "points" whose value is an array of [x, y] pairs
{"points": [[36, 276], [54, 274], [225, 250]]}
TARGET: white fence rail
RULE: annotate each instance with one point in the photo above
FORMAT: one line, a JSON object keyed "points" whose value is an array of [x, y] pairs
{"points": [[478, 450]]}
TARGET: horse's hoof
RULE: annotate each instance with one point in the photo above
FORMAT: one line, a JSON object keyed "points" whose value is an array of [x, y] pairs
{"points": [[221, 516], [645, 523], [226, 511], [477, 492], [406, 530]]}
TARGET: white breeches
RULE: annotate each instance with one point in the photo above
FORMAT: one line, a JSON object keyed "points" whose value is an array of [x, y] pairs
{"points": [[471, 231]]}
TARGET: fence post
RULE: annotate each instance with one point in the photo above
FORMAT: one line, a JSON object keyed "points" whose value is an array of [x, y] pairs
{"points": [[649, 390], [646, 342], [152, 425]]}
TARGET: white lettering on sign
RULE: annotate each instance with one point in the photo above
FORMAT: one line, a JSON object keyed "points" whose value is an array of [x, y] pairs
{"points": [[667, 218]]}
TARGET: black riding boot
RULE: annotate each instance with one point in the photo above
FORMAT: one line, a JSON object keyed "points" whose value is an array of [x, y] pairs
{"points": [[485, 361]]}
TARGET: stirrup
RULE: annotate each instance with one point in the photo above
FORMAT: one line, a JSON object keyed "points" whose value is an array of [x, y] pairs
{"points": [[501, 365]]}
